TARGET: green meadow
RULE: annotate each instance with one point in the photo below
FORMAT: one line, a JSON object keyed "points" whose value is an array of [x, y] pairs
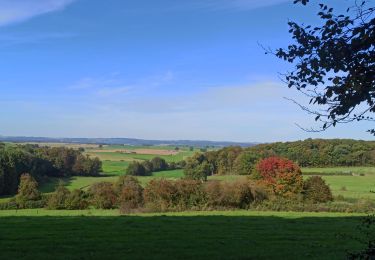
{"points": [[104, 234], [239, 234]]}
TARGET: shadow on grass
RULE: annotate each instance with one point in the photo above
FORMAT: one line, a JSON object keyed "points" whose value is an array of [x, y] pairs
{"points": [[49, 184], [175, 237]]}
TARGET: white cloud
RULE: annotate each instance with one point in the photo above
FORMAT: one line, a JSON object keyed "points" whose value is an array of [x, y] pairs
{"points": [[12, 11], [115, 86]]}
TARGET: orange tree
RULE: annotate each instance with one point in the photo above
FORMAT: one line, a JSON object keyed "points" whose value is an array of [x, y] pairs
{"points": [[281, 176]]}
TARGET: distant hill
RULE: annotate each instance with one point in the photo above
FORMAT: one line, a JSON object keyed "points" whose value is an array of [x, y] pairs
{"points": [[122, 141]]}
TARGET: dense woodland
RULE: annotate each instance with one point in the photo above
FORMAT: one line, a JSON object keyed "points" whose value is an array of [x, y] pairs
{"points": [[41, 162], [308, 153], [322, 153]]}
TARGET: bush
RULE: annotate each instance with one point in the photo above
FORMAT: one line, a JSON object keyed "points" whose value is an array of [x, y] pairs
{"points": [[125, 180], [27, 191], [76, 200], [160, 194], [316, 190], [280, 176], [189, 195], [103, 195], [8, 205], [239, 194], [130, 194], [58, 199]]}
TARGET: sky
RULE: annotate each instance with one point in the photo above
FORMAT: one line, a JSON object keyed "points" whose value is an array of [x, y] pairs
{"points": [[152, 69]]}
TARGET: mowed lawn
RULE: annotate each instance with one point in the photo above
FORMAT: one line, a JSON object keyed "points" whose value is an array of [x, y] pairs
{"points": [[103, 234], [341, 170], [350, 186], [115, 167]]}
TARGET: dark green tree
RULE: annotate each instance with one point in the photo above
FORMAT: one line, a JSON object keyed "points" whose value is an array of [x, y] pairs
{"points": [[197, 168], [159, 164], [136, 169], [334, 64]]}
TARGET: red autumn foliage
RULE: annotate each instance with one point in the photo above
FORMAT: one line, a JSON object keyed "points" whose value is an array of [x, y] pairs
{"points": [[282, 176]]}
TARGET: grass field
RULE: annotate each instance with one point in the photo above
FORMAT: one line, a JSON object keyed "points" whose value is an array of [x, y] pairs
{"points": [[116, 153], [341, 170], [95, 234], [350, 183], [344, 181], [114, 167], [353, 187]]}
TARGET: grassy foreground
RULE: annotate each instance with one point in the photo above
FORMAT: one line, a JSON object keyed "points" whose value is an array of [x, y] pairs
{"points": [[103, 234]]}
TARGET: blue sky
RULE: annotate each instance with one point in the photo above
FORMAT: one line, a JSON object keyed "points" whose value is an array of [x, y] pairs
{"points": [[156, 69]]}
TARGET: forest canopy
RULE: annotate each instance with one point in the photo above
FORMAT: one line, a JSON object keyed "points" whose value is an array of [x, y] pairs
{"points": [[39, 162], [235, 160]]}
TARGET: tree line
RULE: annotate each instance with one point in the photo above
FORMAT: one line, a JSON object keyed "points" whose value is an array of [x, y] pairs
{"points": [[235, 160], [279, 178], [156, 164], [40, 162]]}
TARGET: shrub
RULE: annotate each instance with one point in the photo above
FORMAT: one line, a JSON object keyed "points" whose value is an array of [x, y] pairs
{"points": [[189, 195], [103, 195], [27, 191], [8, 205], [136, 169], [58, 198], [316, 190], [239, 194], [76, 200], [281, 176], [130, 194], [160, 194], [125, 180]]}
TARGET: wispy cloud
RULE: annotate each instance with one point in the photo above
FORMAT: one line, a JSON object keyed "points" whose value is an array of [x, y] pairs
{"points": [[12, 11], [114, 85]]}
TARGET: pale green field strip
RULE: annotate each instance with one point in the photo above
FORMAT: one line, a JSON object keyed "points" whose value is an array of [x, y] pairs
{"points": [[115, 212]]}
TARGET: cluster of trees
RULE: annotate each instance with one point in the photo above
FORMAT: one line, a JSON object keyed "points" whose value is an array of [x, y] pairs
{"points": [[156, 164], [277, 177], [40, 162], [283, 178], [308, 153], [321, 152]]}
